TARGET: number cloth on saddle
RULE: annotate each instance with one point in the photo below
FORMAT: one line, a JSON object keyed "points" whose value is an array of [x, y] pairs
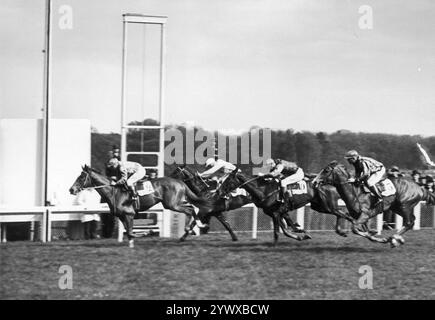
{"points": [[386, 188]]}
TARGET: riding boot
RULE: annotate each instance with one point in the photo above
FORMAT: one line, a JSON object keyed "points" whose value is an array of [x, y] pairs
{"points": [[376, 192], [283, 194], [132, 192]]}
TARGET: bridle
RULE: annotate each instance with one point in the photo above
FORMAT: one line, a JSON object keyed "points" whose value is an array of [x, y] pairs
{"points": [[188, 176], [88, 177]]}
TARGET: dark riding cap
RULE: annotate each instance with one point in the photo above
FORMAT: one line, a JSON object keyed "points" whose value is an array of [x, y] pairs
{"points": [[414, 172], [429, 179], [394, 169], [351, 154]]}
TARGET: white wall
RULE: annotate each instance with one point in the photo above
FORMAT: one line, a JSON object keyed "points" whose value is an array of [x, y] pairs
{"points": [[21, 154]]}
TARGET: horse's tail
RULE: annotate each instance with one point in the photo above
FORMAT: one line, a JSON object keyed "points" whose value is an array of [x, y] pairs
{"points": [[428, 196], [196, 200]]}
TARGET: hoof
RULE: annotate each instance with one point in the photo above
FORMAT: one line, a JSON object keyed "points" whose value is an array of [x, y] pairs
{"points": [[342, 234], [396, 240], [307, 237], [235, 239]]}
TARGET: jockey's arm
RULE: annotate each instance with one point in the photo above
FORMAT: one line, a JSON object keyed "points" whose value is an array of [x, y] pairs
{"points": [[212, 170], [276, 172], [124, 175], [365, 173]]}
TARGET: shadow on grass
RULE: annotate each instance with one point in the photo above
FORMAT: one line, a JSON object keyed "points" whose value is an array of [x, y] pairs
{"points": [[309, 249]]}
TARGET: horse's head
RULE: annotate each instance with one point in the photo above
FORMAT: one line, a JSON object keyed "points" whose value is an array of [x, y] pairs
{"points": [[82, 181], [334, 173], [87, 178], [178, 173], [231, 183]]}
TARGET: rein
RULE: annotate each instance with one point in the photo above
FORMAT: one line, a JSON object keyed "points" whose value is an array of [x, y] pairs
{"points": [[248, 181], [88, 177]]}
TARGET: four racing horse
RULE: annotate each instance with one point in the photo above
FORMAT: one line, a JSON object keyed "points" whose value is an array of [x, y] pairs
{"points": [[218, 201], [408, 194], [172, 193]]}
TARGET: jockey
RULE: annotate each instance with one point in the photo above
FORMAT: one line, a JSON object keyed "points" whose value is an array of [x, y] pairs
{"points": [[219, 169], [368, 170], [288, 172], [130, 172]]}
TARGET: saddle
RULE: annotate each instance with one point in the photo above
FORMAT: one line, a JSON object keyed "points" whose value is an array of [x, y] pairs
{"points": [[299, 187], [144, 187], [385, 187]]}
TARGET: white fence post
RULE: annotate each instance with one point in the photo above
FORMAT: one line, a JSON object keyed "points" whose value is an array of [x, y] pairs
{"points": [[417, 214], [43, 229], [165, 224], [254, 222], [48, 225], [120, 231], [399, 222], [300, 216], [379, 223]]}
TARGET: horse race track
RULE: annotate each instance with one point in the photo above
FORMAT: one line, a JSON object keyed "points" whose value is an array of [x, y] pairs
{"points": [[213, 267]]}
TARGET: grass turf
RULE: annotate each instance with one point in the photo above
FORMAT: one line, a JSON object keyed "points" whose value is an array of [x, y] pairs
{"points": [[214, 267]]}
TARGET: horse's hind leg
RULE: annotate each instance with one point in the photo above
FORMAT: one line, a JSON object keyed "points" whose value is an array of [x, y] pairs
{"points": [[187, 230], [189, 210]]}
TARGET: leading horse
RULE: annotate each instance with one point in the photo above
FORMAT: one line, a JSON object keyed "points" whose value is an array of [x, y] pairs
{"points": [[408, 194], [173, 194]]}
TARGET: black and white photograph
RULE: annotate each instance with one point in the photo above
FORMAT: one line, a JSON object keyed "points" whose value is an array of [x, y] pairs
{"points": [[217, 156]]}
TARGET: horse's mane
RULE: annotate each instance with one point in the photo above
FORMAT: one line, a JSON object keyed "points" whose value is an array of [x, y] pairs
{"points": [[89, 169]]}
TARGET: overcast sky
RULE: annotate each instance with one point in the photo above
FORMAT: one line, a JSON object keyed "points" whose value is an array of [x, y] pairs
{"points": [[232, 64]]}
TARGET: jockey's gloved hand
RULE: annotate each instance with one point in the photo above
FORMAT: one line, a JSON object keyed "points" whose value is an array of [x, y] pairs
{"points": [[120, 182], [113, 183]]}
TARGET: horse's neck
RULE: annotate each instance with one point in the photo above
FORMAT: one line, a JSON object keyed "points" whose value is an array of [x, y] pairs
{"points": [[194, 186], [349, 193], [105, 192], [252, 188]]}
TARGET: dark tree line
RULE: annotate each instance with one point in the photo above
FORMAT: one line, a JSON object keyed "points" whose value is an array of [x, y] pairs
{"points": [[312, 151]]}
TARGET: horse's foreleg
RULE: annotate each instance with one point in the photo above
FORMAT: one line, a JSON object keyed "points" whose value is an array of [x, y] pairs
{"points": [[220, 216], [188, 229], [360, 228], [338, 228], [298, 237], [275, 219]]}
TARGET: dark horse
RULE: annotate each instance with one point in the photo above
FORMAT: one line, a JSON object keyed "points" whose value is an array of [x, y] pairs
{"points": [[172, 193], [408, 194], [219, 203]]}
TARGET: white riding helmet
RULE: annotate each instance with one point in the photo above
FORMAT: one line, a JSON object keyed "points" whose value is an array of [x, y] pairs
{"points": [[210, 162], [270, 163]]}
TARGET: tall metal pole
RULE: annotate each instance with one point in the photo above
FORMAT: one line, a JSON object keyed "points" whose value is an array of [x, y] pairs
{"points": [[161, 160], [123, 93], [47, 102]]}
